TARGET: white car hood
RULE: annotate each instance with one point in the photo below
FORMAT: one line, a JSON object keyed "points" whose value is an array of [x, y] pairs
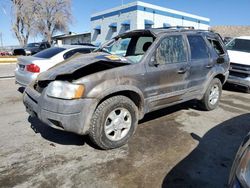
{"points": [[239, 57]]}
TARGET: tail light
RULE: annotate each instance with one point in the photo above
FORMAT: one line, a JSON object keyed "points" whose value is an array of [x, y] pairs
{"points": [[33, 68]]}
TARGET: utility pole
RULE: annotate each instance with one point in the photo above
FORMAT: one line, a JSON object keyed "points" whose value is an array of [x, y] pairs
{"points": [[1, 39]]}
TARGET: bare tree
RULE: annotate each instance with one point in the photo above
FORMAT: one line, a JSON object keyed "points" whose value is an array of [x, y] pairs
{"points": [[23, 19], [45, 17], [54, 16]]}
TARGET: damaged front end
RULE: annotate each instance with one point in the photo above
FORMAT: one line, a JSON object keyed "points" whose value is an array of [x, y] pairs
{"points": [[52, 96], [67, 95], [77, 68]]}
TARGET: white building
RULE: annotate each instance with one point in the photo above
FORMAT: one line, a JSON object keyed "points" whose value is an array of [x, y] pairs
{"points": [[139, 15], [72, 38]]}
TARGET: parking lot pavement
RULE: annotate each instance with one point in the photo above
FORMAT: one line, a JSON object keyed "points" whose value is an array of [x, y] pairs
{"points": [[7, 70], [179, 146]]}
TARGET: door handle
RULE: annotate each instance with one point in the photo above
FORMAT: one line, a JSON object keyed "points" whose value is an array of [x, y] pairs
{"points": [[182, 71], [209, 66]]}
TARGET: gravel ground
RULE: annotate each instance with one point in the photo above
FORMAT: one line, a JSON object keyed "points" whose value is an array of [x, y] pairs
{"points": [[179, 146]]}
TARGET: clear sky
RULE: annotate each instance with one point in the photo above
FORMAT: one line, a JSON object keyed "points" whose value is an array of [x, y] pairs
{"points": [[220, 12]]}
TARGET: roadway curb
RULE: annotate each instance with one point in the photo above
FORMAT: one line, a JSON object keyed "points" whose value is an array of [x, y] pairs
{"points": [[8, 60]]}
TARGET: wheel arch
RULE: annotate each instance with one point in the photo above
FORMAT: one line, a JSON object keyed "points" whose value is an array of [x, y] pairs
{"points": [[221, 77], [133, 94]]}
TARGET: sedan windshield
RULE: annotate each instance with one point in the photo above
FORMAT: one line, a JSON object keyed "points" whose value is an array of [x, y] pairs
{"points": [[33, 45], [242, 45], [133, 48], [49, 53]]}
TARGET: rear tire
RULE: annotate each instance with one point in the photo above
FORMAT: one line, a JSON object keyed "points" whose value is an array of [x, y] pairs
{"points": [[113, 122], [212, 95]]}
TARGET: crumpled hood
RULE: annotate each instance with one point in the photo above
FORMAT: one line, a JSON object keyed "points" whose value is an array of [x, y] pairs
{"points": [[239, 57], [77, 62]]}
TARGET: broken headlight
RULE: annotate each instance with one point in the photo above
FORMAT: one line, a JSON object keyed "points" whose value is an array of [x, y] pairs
{"points": [[65, 90], [243, 170]]}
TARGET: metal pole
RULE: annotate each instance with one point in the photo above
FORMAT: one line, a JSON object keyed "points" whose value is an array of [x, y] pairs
{"points": [[1, 37], [122, 2]]}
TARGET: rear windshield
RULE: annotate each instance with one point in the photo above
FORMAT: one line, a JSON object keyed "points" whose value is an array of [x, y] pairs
{"points": [[49, 53], [242, 45]]}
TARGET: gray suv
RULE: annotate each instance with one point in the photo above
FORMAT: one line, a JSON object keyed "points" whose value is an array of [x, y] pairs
{"points": [[105, 93]]}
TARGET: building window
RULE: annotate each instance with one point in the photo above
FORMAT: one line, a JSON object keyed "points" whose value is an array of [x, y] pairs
{"points": [[113, 27], [148, 24], [126, 25], [98, 29], [166, 25]]}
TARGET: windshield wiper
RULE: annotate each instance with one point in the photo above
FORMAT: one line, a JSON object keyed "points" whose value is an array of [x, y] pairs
{"points": [[102, 50]]}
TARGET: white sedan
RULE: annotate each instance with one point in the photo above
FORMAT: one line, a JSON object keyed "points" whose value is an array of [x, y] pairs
{"points": [[28, 67]]}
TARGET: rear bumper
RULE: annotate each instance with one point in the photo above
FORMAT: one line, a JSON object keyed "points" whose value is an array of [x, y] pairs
{"points": [[71, 115], [24, 78]]}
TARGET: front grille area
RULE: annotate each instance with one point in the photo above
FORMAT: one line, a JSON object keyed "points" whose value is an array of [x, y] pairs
{"points": [[238, 74], [240, 67], [239, 70]]}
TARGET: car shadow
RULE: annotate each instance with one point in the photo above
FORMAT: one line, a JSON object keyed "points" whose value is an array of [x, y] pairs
{"points": [[209, 164], [58, 136]]}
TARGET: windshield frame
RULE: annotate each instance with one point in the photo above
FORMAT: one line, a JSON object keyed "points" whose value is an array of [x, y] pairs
{"points": [[134, 38]]}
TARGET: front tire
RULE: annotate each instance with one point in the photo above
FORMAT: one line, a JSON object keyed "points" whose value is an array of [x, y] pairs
{"points": [[113, 122], [212, 95]]}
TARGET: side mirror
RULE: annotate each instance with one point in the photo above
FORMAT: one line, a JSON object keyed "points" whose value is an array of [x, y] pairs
{"points": [[153, 62], [220, 60]]}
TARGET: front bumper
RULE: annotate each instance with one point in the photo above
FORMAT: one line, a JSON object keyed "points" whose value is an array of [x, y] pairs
{"points": [[245, 82], [71, 115]]}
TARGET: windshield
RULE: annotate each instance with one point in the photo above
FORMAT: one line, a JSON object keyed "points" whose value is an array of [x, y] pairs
{"points": [[133, 48], [33, 45], [242, 45], [49, 53]]}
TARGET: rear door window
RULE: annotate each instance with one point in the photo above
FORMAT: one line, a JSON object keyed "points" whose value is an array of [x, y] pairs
{"points": [[198, 47]]}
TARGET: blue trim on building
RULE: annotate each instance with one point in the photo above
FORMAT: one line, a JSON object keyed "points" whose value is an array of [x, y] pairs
{"points": [[146, 9]]}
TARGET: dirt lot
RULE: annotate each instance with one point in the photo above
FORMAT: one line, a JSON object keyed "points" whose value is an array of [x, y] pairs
{"points": [[179, 146]]}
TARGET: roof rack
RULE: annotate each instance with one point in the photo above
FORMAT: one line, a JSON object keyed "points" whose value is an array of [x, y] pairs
{"points": [[184, 28]]}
